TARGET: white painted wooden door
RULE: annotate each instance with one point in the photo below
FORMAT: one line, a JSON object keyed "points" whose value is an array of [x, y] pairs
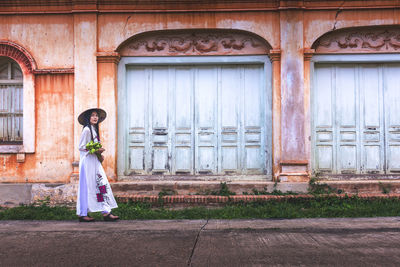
{"points": [[198, 120], [355, 129]]}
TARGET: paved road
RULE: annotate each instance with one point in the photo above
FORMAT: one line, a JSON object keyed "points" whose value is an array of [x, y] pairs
{"points": [[300, 242]]}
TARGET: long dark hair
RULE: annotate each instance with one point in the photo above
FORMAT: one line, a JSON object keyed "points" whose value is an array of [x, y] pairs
{"points": [[87, 123]]}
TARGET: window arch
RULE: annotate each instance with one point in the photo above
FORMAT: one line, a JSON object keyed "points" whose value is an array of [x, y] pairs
{"points": [[17, 99]]}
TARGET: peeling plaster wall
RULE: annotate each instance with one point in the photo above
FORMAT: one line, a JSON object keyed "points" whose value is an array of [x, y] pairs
{"points": [[85, 78], [54, 131], [291, 86], [116, 28], [48, 38]]}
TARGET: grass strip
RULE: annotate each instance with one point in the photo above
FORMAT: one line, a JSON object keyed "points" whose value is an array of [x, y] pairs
{"points": [[289, 208]]}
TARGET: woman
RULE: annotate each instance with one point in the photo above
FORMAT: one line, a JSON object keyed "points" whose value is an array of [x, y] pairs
{"points": [[94, 193]]}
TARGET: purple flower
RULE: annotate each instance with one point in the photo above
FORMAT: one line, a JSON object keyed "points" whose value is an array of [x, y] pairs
{"points": [[103, 189]]}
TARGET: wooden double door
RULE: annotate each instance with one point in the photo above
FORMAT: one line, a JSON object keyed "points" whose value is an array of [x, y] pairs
{"points": [[197, 120], [356, 118]]}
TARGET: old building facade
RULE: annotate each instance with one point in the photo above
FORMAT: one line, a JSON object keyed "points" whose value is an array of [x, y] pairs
{"points": [[201, 90]]}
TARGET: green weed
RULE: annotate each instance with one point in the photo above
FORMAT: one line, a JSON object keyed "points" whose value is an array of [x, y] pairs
{"points": [[385, 188], [318, 207]]}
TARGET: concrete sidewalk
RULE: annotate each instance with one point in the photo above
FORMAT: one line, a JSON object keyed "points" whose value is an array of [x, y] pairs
{"points": [[297, 242]]}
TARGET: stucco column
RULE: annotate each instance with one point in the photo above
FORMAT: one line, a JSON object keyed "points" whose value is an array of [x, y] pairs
{"points": [[293, 157], [275, 57], [107, 73], [85, 78]]}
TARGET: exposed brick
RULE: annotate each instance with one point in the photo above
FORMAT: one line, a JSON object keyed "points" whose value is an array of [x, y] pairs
{"points": [[17, 53], [13, 53]]}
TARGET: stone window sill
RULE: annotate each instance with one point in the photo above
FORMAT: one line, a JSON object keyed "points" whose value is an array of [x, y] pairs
{"points": [[11, 149]]}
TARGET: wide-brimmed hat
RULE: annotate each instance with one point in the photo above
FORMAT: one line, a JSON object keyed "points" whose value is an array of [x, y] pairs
{"points": [[86, 115]]}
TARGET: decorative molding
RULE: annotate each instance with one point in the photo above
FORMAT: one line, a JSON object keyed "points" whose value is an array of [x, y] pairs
{"points": [[17, 53], [157, 6], [108, 57], [379, 39], [196, 42], [293, 162], [274, 55], [308, 53], [54, 71]]}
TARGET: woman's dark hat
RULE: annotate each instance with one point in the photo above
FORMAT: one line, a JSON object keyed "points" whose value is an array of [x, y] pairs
{"points": [[85, 116]]}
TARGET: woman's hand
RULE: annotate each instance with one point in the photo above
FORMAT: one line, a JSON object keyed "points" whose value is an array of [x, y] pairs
{"points": [[101, 150], [100, 157]]}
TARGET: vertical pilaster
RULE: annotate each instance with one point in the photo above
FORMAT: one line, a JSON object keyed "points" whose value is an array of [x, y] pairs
{"points": [[107, 73], [85, 78], [308, 53], [293, 155], [275, 57]]}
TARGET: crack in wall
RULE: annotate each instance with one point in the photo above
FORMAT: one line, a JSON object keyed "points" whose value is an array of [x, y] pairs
{"points": [[126, 23], [337, 14], [195, 244]]}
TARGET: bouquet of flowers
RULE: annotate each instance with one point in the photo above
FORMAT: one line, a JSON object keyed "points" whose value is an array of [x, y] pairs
{"points": [[93, 148]]}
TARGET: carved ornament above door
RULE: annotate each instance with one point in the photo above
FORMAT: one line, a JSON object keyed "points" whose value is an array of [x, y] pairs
{"points": [[194, 42], [379, 39]]}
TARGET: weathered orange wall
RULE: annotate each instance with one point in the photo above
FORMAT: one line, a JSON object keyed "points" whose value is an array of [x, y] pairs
{"points": [[116, 28], [54, 135], [48, 38]]}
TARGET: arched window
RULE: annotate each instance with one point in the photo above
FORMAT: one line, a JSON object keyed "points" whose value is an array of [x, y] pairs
{"points": [[11, 102]]}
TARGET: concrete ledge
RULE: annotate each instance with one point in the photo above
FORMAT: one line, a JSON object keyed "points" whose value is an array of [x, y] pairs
{"points": [[203, 187], [198, 191], [366, 186], [15, 194]]}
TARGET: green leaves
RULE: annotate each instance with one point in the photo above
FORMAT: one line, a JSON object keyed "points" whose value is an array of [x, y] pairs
{"points": [[93, 147]]}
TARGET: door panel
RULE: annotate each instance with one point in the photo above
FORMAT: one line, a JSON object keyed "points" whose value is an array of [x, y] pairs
{"points": [[256, 107], [372, 119], [392, 116], [206, 120], [159, 120], [230, 112], [324, 97], [138, 120], [346, 109], [183, 121]]}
